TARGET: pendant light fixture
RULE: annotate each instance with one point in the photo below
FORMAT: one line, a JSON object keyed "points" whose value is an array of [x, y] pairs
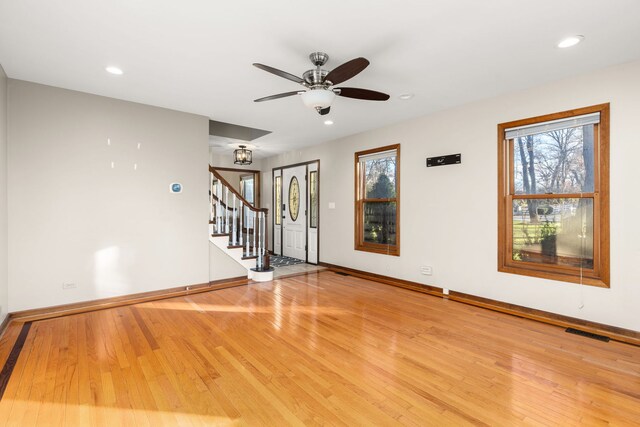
{"points": [[242, 156]]}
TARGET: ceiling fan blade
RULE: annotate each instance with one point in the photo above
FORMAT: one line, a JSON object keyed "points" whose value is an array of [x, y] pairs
{"points": [[347, 70], [279, 95], [324, 111], [280, 73], [366, 94]]}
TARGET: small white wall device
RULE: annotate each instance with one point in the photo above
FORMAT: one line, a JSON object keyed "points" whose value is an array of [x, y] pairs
{"points": [[175, 187]]}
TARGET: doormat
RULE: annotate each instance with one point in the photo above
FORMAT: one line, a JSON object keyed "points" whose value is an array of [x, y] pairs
{"points": [[282, 261]]}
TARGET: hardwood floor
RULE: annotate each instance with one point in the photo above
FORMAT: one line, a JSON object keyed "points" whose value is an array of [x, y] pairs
{"points": [[313, 350]]}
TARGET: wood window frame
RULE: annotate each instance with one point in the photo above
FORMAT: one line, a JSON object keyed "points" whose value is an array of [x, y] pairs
{"points": [[600, 274], [360, 244]]}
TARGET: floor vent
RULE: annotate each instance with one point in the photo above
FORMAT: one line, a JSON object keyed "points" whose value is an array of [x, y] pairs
{"points": [[12, 359], [587, 334], [341, 273]]}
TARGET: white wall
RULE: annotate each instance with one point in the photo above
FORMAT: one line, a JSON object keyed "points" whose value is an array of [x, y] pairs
{"points": [[3, 197], [110, 230], [449, 214], [233, 178], [222, 266]]}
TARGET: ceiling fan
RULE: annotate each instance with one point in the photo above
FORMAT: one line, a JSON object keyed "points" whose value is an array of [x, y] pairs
{"points": [[319, 84]]}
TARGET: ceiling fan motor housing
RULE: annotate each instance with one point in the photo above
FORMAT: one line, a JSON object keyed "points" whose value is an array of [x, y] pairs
{"points": [[315, 77]]}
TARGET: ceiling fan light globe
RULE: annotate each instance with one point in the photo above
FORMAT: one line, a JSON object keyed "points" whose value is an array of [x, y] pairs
{"points": [[318, 98]]}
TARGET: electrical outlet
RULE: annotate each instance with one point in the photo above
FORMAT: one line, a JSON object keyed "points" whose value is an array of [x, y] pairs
{"points": [[69, 286], [445, 291], [426, 270]]}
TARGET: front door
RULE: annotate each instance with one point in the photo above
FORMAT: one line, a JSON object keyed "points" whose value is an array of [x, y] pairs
{"points": [[294, 221]]}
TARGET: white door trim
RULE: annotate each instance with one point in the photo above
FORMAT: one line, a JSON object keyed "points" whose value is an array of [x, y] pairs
{"points": [[312, 256]]}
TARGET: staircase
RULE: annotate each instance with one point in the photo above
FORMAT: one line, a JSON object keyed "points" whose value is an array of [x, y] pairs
{"points": [[238, 228]]}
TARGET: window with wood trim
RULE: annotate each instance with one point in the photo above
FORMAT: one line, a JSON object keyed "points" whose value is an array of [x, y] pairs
{"points": [[377, 200], [553, 201]]}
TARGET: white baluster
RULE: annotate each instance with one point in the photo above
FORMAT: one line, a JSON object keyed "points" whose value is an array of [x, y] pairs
{"points": [[254, 232], [248, 241], [219, 208], [226, 210], [210, 196], [234, 231], [213, 200], [241, 215], [212, 204]]}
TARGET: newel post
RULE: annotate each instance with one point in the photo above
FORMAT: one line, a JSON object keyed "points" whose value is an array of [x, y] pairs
{"points": [[265, 257]]}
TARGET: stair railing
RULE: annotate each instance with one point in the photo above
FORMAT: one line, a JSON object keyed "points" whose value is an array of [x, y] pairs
{"points": [[232, 215]]}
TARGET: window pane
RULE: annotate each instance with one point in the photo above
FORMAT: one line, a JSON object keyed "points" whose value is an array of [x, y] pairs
{"points": [[380, 222], [556, 162], [380, 177], [553, 231], [278, 189], [313, 196], [247, 189]]}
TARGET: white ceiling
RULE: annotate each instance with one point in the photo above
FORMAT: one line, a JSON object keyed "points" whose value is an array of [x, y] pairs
{"points": [[196, 56]]}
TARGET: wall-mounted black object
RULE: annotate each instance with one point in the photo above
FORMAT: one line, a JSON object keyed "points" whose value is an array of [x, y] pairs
{"points": [[450, 159]]}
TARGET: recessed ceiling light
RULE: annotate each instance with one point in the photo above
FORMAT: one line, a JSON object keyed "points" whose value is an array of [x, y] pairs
{"points": [[406, 96], [114, 70], [570, 41], [328, 122]]}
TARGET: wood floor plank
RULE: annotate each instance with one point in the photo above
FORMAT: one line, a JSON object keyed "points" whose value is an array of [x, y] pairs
{"points": [[318, 349]]}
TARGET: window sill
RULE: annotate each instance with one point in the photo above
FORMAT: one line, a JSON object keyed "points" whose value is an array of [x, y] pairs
{"points": [[378, 249], [562, 277]]}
